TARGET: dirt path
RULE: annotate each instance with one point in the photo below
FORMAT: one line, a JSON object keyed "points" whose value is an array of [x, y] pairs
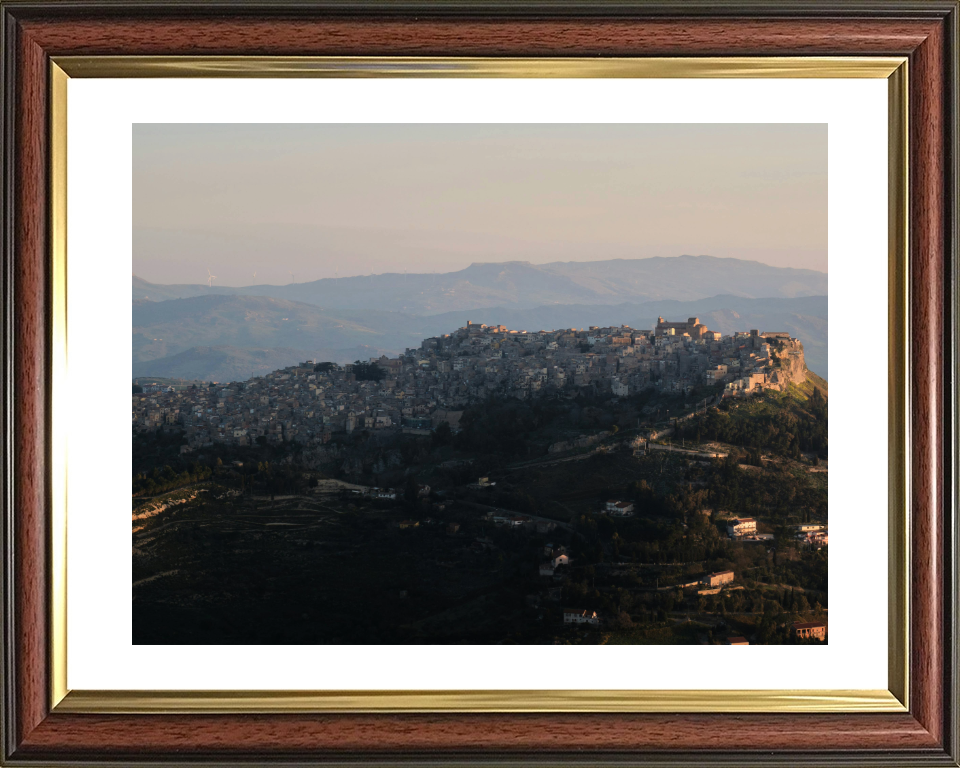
{"points": [[687, 451], [558, 523]]}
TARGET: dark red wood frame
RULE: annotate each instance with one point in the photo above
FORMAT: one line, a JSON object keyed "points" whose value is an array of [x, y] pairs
{"points": [[926, 32]]}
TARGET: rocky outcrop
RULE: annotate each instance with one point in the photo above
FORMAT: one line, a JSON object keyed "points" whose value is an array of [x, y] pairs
{"points": [[789, 364], [784, 366]]}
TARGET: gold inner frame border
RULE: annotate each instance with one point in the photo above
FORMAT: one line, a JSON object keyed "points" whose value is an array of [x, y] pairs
{"points": [[894, 699]]}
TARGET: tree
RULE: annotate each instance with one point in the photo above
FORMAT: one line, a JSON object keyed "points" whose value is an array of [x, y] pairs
{"points": [[667, 601], [368, 371], [442, 435], [137, 389], [411, 491], [818, 405], [624, 621], [615, 542]]}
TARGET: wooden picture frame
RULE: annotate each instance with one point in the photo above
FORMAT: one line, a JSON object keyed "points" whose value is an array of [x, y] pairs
{"points": [[41, 726]]}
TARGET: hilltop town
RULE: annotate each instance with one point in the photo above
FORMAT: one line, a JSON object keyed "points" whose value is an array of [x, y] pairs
{"points": [[426, 386], [574, 486]]}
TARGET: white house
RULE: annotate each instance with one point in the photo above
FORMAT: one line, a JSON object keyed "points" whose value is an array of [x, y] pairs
{"points": [[807, 527], [575, 616], [619, 508], [743, 526], [717, 579]]}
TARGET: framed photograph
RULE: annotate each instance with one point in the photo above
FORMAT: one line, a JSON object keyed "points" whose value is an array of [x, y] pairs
{"points": [[480, 383]]}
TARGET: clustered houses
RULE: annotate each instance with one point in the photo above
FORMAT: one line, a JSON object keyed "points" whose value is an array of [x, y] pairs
{"points": [[816, 539], [305, 403], [814, 534], [431, 384], [674, 357]]}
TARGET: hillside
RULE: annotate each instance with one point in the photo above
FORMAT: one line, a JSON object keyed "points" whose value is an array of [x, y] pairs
{"points": [[813, 382], [785, 424], [219, 363], [167, 328], [225, 363], [795, 402]]}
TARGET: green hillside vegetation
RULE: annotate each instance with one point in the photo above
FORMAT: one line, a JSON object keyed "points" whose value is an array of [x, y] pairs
{"points": [[813, 382], [165, 479], [286, 555], [785, 424]]}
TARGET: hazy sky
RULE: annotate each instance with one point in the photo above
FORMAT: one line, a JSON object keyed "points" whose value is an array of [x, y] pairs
{"points": [[320, 200]]}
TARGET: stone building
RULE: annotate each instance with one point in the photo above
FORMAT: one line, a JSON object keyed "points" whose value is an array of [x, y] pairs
{"points": [[815, 629], [692, 327]]}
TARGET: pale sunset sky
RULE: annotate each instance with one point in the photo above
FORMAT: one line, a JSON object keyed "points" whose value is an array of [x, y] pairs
{"points": [[337, 199]]}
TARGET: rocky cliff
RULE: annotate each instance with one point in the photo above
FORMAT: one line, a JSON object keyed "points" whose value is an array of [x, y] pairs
{"points": [[789, 363]]}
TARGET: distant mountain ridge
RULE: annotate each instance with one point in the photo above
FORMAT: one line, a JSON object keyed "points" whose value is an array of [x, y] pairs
{"points": [[165, 328], [519, 284]]}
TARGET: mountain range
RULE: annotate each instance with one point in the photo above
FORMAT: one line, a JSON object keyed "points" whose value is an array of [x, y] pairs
{"points": [[215, 335], [519, 284]]}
